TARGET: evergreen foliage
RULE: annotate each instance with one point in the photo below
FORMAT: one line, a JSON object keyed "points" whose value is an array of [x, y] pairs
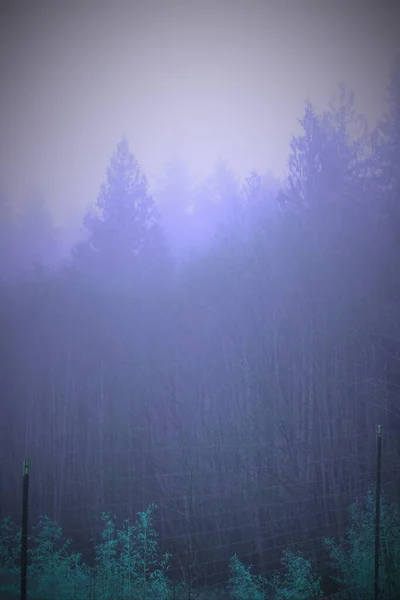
{"points": [[127, 221], [278, 346]]}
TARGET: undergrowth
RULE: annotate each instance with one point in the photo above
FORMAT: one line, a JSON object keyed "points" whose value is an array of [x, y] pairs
{"points": [[128, 564]]}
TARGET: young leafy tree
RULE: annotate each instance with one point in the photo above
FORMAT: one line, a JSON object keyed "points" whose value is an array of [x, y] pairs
{"points": [[242, 584], [298, 582], [150, 580], [353, 557], [128, 566], [108, 570], [53, 571], [126, 558], [10, 546]]}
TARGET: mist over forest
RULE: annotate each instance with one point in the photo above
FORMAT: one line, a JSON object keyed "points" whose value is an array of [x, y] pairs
{"points": [[224, 349]]}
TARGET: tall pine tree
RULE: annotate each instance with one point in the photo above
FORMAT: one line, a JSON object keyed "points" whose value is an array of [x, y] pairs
{"points": [[388, 144], [126, 227]]}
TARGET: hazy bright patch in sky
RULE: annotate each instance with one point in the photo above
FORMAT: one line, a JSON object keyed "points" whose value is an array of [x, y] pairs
{"points": [[204, 78]]}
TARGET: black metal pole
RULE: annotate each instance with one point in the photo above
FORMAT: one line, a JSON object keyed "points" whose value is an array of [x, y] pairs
{"points": [[24, 528], [378, 509]]}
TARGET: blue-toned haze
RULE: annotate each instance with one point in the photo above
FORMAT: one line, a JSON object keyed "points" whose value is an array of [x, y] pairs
{"points": [[200, 79], [199, 368]]}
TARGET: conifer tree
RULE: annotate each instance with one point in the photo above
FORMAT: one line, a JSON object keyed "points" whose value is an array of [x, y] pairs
{"points": [[126, 225]]}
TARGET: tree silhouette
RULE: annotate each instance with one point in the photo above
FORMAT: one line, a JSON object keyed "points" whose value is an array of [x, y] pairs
{"points": [[126, 225]]}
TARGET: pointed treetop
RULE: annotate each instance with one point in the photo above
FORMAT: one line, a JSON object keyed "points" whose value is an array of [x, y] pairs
{"points": [[127, 223]]}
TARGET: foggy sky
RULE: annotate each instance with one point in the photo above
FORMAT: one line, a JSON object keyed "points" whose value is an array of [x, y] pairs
{"points": [[203, 78]]}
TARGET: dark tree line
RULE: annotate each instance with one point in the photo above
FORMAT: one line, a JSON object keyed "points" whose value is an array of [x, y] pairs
{"points": [[236, 383]]}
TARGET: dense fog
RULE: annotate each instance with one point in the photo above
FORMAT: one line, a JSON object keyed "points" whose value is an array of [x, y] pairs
{"points": [[213, 359]]}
